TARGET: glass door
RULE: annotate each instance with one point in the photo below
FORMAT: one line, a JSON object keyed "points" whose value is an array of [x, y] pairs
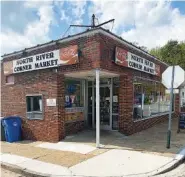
{"points": [[105, 106]]}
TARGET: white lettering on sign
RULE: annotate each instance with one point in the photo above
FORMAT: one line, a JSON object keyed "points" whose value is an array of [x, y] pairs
{"points": [[51, 102], [128, 59]]}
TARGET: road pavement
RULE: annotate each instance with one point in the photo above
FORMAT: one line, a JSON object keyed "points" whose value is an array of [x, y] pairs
{"points": [[177, 172]]}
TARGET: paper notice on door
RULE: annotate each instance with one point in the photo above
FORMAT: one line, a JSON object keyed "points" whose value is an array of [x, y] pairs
{"points": [[107, 98], [115, 99]]}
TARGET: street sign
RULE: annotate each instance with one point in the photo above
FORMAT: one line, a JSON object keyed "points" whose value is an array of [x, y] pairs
{"points": [[179, 77]]}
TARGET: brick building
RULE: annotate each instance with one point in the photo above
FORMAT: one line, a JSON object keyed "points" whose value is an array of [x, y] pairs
{"points": [[53, 87]]}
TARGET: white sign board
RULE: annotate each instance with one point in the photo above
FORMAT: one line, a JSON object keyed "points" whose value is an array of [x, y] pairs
{"points": [[179, 77], [51, 102], [35, 62], [128, 59], [62, 56]]}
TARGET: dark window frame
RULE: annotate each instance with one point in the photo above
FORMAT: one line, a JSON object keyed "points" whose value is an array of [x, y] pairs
{"points": [[34, 114]]}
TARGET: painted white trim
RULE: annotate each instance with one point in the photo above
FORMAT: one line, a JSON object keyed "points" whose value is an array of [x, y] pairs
{"points": [[97, 108], [88, 33]]}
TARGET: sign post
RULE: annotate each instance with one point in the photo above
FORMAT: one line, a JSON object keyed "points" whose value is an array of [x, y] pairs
{"points": [[172, 78], [170, 111]]}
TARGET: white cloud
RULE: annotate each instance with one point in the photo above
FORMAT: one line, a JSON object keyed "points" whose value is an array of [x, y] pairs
{"points": [[150, 23], [34, 33], [72, 13], [64, 17], [36, 4], [78, 8]]}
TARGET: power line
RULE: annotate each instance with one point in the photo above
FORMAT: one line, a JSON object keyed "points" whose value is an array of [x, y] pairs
{"points": [[66, 31]]}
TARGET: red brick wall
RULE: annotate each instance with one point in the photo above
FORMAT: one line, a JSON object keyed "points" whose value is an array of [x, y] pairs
{"points": [[125, 103], [74, 127], [51, 85], [60, 102], [14, 103], [95, 52], [126, 123], [88, 60]]}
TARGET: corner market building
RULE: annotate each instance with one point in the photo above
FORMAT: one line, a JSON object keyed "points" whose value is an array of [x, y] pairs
{"points": [[91, 80]]}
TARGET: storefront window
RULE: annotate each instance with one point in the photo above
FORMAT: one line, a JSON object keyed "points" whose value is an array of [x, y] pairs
{"points": [[150, 98], [74, 93]]}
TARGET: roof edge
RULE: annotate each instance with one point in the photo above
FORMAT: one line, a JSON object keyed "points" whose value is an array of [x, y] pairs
{"points": [[53, 42], [92, 32], [133, 46]]}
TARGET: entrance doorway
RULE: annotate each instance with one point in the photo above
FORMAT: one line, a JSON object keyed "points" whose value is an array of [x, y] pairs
{"points": [[105, 104]]}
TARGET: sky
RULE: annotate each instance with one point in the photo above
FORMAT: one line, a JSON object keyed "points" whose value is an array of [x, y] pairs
{"points": [[146, 23]]}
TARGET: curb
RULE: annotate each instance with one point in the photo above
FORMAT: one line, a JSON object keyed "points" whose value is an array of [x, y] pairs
{"points": [[22, 171], [179, 158], [171, 167]]}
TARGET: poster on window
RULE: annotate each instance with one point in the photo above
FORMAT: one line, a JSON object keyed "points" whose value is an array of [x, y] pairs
{"points": [[63, 56], [128, 59]]}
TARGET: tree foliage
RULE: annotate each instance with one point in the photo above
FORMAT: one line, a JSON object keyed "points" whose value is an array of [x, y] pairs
{"points": [[172, 53]]}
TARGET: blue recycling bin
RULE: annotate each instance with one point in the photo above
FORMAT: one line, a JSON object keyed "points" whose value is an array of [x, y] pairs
{"points": [[2, 130], [12, 128]]}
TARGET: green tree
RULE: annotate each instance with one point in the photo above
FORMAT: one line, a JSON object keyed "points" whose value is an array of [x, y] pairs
{"points": [[172, 53]]}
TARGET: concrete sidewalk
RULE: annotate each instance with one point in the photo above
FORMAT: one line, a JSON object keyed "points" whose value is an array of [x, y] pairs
{"points": [[33, 166], [112, 163], [142, 153], [152, 140]]}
